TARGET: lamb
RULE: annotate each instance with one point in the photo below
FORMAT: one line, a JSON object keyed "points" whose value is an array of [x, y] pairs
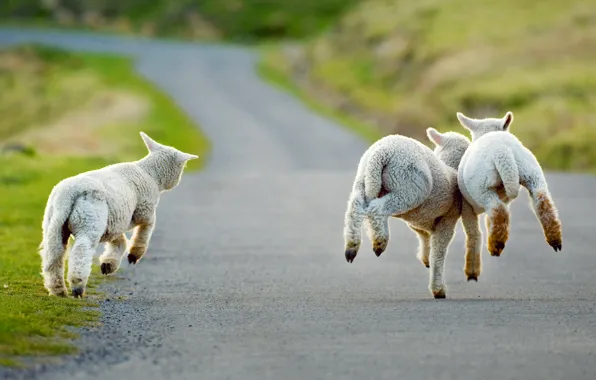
{"points": [[490, 175], [99, 206], [401, 177]]}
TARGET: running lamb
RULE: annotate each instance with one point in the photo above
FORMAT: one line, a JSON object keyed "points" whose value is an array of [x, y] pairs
{"points": [[99, 206], [490, 175], [401, 177]]}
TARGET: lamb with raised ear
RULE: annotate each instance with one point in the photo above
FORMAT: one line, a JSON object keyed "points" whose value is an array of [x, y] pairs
{"points": [[401, 177], [99, 206], [490, 175]]}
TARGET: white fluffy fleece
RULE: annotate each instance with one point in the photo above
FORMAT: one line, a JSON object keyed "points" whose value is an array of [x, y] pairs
{"points": [[490, 175], [400, 177], [99, 206]]}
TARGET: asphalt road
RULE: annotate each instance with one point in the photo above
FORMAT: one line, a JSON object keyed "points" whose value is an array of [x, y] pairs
{"points": [[246, 278]]}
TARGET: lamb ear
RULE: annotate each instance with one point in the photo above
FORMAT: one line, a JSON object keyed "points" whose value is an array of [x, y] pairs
{"points": [[186, 156], [151, 144], [508, 119], [434, 136], [465, 121]]}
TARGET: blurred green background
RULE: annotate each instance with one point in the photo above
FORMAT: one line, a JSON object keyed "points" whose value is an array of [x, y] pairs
{"points": [[380, 66], [397, 66]]}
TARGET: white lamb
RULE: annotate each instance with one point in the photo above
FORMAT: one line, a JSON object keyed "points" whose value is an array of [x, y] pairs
{"points": [[100, 206], [400, 177], [490, 175]]}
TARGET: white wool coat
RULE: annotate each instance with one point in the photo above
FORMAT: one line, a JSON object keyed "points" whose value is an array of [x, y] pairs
{"points": [[114, 198], [498, 159]]}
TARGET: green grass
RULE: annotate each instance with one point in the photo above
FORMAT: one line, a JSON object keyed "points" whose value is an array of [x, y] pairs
{"points": [[245, 20], [31, 322], [412, 64], [39, 84]]}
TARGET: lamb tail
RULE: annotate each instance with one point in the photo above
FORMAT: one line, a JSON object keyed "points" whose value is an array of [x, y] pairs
{"points": [[508, 171], [55, 219], [373, 176]]}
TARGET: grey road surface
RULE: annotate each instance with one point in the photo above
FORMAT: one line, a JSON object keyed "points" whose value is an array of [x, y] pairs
{"points": [[246, 279]]}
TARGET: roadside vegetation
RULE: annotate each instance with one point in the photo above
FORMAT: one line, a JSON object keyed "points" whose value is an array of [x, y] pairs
{"points": [[237, 20], [401, 66], [61, 114], [394, 66]]}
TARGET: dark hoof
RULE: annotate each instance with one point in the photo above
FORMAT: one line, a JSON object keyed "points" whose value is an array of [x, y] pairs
{"points": [[440, 295], [378, 251], [351, 254], [78, 292], [557, 246], [497, 248], [59, 292], [379, 246], [106, 268], [132, 259], [473, 277], [427, 266]]}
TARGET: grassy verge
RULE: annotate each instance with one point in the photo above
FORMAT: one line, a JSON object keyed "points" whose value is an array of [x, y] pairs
{"points": [[41, 89], [408, 65]]}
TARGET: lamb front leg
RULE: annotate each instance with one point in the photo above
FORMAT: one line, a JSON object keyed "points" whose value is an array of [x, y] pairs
{"points": [[112, 255], [439, 242], [471, 224], [140, 241], [423, 246]]}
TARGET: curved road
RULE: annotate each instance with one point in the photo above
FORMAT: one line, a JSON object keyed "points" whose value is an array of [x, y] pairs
{"points": [[246, 277]]}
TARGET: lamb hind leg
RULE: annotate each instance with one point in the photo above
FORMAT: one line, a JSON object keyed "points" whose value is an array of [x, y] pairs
{"points": [[112, 255], [548, 216], [88, 222], [53, 251], [378, 227], [353, 220], [391, 204], [497, 222]]}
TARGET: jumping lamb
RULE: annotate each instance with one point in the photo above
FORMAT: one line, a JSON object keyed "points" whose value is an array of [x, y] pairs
{"points": [[490, 175], [401, 177], [99, 206]]}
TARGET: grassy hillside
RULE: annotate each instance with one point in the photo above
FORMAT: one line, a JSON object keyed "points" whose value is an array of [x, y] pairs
{"points": [[61, 114], [405, 65], [230, 19]]}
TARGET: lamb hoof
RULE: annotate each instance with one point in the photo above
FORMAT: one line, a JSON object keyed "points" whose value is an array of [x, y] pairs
{"points": [[59, 292], [132, 259], [106, 268], [78, 292], [496, 248], [557, 246], [379, 246], [378, 251], [439, 294], [351, 254], [472, 277]]}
